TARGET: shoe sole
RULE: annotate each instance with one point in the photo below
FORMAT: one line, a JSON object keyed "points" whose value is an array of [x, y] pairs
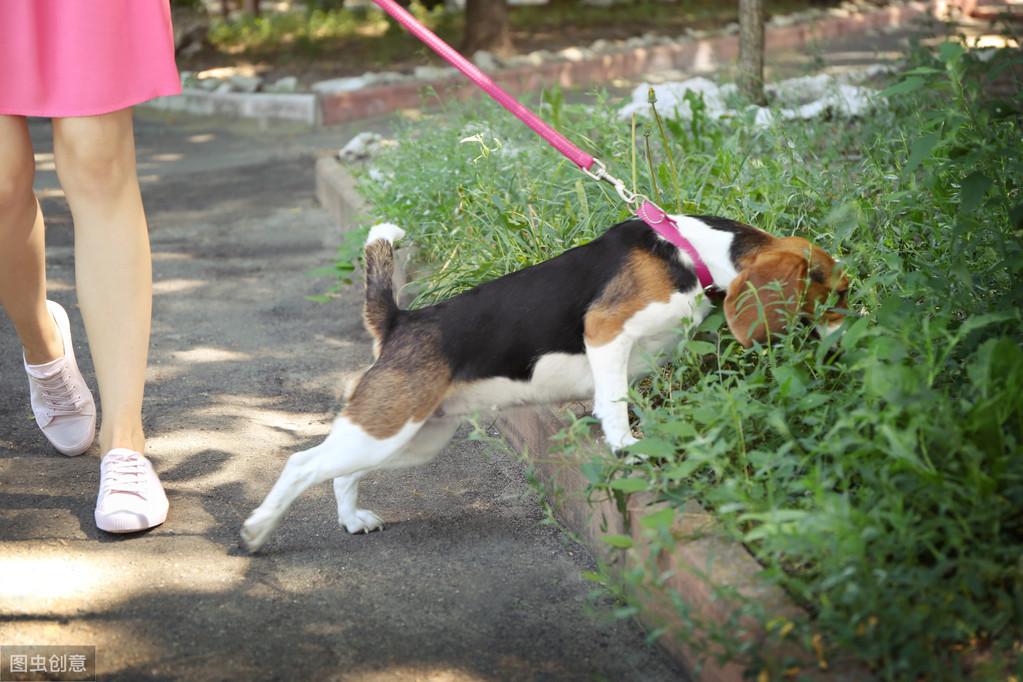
{"points": [[128, 525]]}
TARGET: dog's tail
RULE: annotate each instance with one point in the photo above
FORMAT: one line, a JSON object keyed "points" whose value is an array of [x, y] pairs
{"points": [[380, 310]]}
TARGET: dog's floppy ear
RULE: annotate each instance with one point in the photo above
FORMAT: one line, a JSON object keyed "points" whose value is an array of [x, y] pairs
{"points": [[764, 295]]}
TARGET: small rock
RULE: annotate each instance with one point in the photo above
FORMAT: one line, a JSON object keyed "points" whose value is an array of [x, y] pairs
{"points": [[574, 54], [731, 29], [432, 73], [286, 84], [362, 146], [987, 54], [208, 84], [338, 85], [600, 45], [385, 77], [485, 60], [224, 88], [246, 83]]}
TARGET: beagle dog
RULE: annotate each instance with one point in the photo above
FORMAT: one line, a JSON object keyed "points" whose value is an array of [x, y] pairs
{"points": [[580, 325]]}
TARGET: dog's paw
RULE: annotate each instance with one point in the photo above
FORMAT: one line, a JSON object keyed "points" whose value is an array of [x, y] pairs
{"points": [[618, 443], [256, 531], [362, 521]]}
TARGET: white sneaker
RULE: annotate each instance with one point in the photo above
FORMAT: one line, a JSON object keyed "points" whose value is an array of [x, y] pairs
{"points": [[130, 495], [62, 403]]}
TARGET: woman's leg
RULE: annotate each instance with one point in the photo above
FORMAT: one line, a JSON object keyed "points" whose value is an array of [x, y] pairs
{"points": [[22, 254], [95, 159]]}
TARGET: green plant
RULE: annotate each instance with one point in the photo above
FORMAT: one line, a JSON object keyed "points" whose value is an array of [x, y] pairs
{"points": [[877, 476]]}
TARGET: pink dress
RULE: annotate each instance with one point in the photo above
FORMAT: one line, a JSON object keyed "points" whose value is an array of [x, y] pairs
{"points": [[84, 57]]}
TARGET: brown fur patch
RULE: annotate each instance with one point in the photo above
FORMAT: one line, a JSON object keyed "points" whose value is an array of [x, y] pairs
{"points": [[806, 275], [406, 384], [378, 309], [644, 280]]}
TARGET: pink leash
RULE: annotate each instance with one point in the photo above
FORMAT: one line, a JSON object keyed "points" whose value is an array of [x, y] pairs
{"points": [[649, 212]]}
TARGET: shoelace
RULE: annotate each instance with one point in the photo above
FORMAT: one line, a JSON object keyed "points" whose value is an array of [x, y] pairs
{"points": [[59, 394], [124, 473]]}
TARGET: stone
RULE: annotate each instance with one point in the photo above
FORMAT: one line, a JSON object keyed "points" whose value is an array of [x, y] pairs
{"points": [[339, 85], [207, 84], [224, 87], [246, 83], [574, 54], [486, 60], [385, 77], [285, 84], [361, 147], [432, 73]]}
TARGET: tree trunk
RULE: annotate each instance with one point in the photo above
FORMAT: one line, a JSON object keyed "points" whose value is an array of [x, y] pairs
{"points": [[251, 7], [751, 50], [486, 27]]}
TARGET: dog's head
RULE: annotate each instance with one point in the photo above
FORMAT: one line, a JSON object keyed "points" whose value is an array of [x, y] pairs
{"points": [[786, 279]]}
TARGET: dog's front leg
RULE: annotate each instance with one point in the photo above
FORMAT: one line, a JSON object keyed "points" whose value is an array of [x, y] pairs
{"points": [[610, 366]]}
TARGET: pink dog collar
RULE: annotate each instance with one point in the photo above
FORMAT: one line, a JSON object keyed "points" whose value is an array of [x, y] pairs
{"points": [[661, 223]]}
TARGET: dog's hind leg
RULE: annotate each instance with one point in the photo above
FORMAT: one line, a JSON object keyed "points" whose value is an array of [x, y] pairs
{"points": [[391, 402], [348, 450], [353, 519], [423, 447]]}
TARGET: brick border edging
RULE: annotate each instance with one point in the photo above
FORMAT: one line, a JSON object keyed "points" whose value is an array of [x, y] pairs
{"points": [[692, 569], [724, 562], [696, 55]]}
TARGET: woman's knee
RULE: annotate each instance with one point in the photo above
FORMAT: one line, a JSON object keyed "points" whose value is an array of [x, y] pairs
{"points": [[17, 173], [16, 178], [94, 156]]}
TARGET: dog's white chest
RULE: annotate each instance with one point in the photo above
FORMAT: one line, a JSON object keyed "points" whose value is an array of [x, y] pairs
{"points": [[659, 326]]}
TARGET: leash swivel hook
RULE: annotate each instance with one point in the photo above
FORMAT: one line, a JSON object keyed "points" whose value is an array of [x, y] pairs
{"points": [[598, 171]]}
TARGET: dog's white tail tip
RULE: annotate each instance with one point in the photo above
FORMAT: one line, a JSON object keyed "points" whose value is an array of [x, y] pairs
{"points": [[387, 231]]}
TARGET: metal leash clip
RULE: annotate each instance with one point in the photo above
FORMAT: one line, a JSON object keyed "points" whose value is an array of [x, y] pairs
{"points": [[631, 199]]}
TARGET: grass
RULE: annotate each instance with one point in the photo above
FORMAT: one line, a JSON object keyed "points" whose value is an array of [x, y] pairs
{"points": [[876, 476]]}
